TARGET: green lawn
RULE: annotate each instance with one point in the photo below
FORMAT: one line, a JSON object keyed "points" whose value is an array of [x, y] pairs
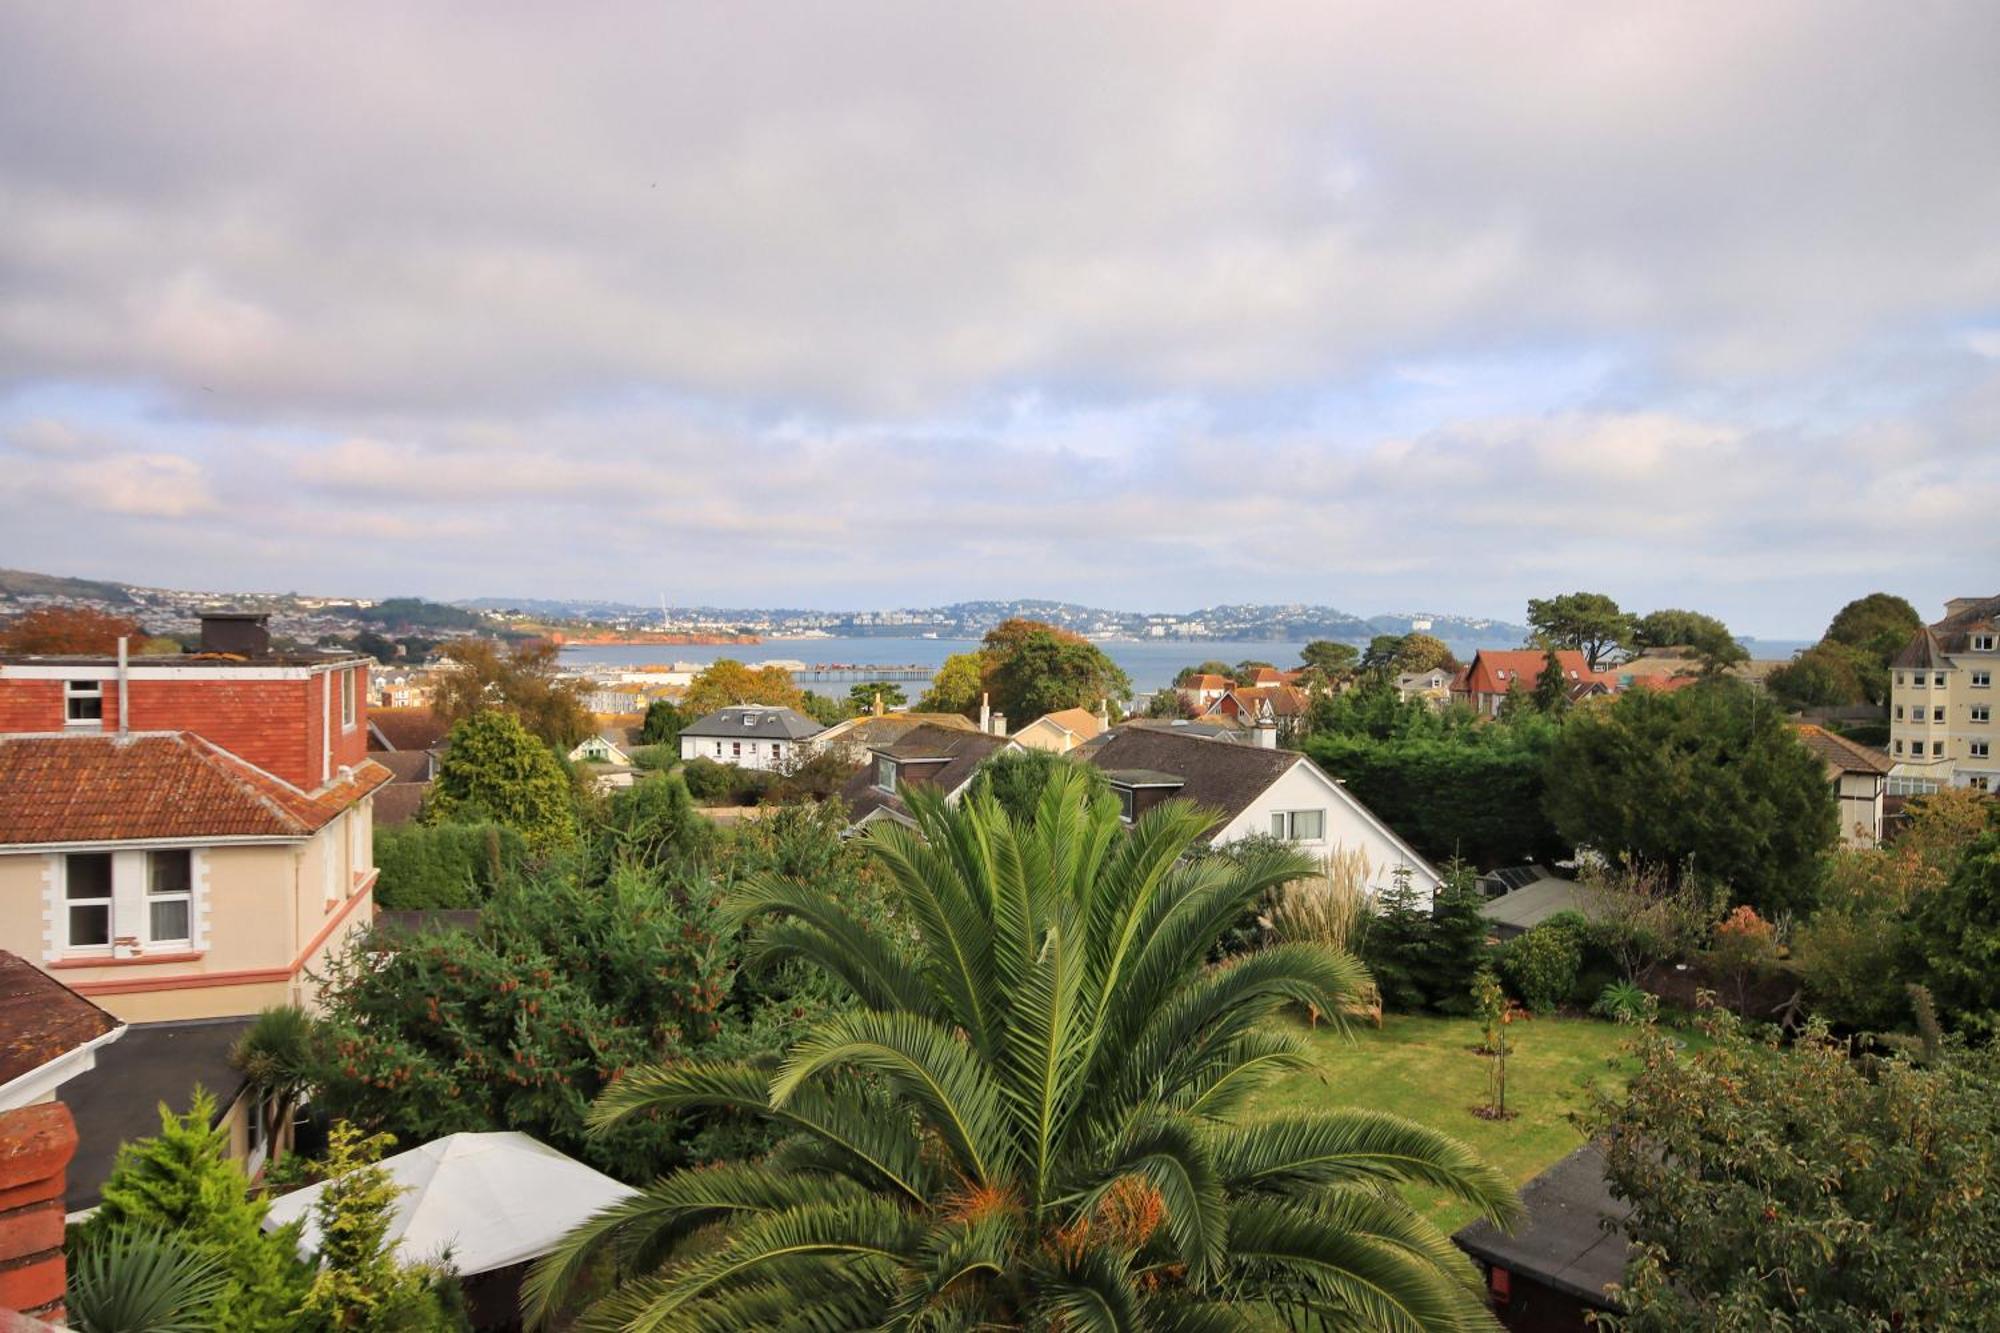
{"points": [[1424, 1068]]}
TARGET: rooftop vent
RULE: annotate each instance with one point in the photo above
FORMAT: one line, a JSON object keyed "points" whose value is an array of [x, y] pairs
{"points": [[239, 633]]}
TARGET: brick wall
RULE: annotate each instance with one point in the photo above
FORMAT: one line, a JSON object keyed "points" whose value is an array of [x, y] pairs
{"points": [[36, 1144], [31, 705]]}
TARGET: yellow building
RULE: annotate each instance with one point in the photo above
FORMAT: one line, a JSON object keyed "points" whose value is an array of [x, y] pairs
{"points": [[1061, 731], [167, 879], [1941, 702]]}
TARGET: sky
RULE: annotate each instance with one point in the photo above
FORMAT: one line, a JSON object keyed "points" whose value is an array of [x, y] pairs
{"points": [[1383, 306]]}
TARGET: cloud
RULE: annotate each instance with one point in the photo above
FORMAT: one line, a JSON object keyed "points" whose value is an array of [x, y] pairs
{"points": [[1359, 303]]}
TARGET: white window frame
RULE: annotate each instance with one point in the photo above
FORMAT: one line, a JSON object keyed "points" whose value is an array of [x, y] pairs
{"points": [[1937, 679], [1982, 680], [1982, 712], [1981, 750], [1285, 823], [83, 691], [109, 902], [1937, 714], [885, 774], [1982, 643], [347, 708], [1128, 803], [185, 896]]}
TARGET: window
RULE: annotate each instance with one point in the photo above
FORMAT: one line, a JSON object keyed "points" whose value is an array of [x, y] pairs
{"points": [[1937, 747], [1128, 802], [1982, 712], [1899, 747], [1982, 643], [718, 749], [1937, 714], [1981, 679], [83, 703], [885, 773], [1981, 749], [87, 894], [1978, 782], [1899, 712], [1916, 680], [169, 896], [1299, 825], [347, 700], [1938, 680], [1899, 678], [736, 749], [776, 750]]}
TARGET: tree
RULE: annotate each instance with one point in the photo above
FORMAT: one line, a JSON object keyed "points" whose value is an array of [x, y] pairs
{"points": [[1825, 675], [68, 629], [956, 686], [725, 682], [1016, 779], [654, 825], [522, 681], [430, 866], [1710, 639], [493, 770], [1246, 670], [359, 1284], [1796, 1187], [1331, 659], [662, 723], [275, 1055], [1457, 946], [1955, 934], [1380, 658], [863, 697], [182, 1181], [1879, 625], [1589, 622], [1209, 668], [1030, 1119], [1035, 669], [1551, 696], [1710, 773], [824, 708], [1423, 652]]}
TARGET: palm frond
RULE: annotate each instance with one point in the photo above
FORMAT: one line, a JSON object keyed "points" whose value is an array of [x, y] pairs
{"points": [[825, 935], [1349, 1147]]}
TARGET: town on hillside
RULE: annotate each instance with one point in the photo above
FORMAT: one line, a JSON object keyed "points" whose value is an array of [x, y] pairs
{"points": [[264, 905]]}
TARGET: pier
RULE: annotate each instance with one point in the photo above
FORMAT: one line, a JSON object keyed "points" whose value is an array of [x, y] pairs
{"points": [[830, 672]]}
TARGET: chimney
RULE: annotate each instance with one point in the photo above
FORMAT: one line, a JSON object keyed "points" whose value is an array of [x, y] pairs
{"points": [[985, 714], [878, 703], [238, 633], [1267, 728], [999, 724], [36, 1144], [1957, 604]]}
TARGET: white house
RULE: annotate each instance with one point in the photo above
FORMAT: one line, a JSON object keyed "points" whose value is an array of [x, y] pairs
{"points": [[1255, 791], [750, 736], [602, 748]]}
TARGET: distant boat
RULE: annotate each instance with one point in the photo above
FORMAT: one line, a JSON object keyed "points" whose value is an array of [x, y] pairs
{"points": [[930, 634]]}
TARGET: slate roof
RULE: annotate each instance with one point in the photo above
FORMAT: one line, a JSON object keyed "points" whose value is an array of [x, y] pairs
{"points": [[406, 765], [41, 1019], [1838, 752], [1563, 1242], [1214, 774], [98, 787], [1181, 727], [755, 722], [962, 752], [1929, 646], [1538, 900], [120, 1098], [399, 802]]}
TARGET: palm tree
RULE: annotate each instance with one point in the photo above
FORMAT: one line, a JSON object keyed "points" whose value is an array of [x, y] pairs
{"points": [[1031, 1117], [275, 1056], [138, 1280]]}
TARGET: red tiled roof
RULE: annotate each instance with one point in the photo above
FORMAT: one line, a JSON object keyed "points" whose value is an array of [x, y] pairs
{"points": [[1494, 672], [406, 728], [107, 788], [1838, 752], [41, 1019], [1208, 681]]}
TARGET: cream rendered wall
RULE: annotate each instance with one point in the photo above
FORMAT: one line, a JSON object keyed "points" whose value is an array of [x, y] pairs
{"points": [[1042, 734], [1304, 787], [265, 915], [1860, 808]]}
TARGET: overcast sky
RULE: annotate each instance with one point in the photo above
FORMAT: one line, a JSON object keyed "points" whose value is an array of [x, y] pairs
{"points": [[1383, 306]]}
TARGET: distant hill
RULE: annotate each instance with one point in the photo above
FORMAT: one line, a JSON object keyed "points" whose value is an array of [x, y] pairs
{"points": [[24, 583]]}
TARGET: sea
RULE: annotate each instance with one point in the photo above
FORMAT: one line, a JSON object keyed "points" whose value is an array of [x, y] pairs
{"points": [[1151, 663]]}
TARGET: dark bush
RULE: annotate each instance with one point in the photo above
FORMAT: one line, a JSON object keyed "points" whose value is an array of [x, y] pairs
{"points": [[443, 865]]}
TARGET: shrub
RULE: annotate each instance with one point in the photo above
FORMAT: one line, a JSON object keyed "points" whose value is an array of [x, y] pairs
{"points": [[1745, 948], [654, 758], [712, 783], [443, 865], [1623, 1002], [1541, 967]]}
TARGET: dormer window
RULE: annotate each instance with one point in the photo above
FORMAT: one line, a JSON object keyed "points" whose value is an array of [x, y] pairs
{"points": [[83, 703], [885, 773], [1982, 643], [1127, 803]]}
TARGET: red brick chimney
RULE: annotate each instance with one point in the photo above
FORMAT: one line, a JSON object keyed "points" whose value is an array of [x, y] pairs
{"points": [[36, 1143]]}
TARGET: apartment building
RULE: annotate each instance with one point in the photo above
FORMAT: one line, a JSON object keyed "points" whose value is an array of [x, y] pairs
{"points": [[1942, 700]]}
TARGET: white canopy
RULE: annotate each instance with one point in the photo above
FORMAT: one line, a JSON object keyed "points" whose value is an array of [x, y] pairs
{"points": [[493, 1199]]}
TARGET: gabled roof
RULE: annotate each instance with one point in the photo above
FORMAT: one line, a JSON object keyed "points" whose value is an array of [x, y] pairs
{"points": [[948, 758], [406, 765], [1216, 775], [871, 732], [100, 787], [1208, 680], [1244, 701], [1839, 753], [1076, 721], [41, 1020], [754, 722], [405, 729], [1494, 671]]}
